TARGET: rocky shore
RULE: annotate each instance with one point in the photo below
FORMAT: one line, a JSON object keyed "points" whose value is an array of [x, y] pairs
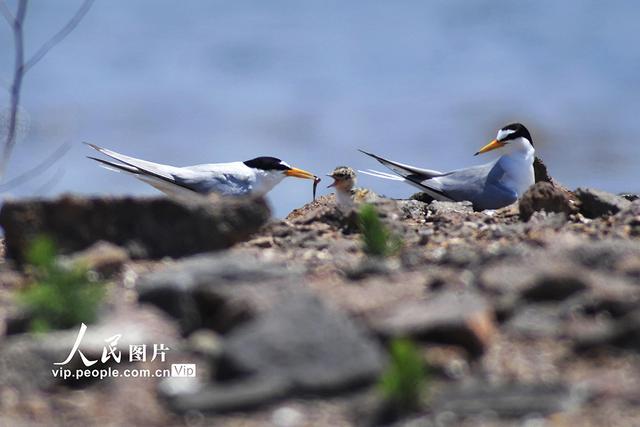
{"points": [[527, 314]]}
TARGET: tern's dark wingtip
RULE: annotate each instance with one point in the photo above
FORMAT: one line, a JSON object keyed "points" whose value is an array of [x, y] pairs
{"points": [[94, 146]]}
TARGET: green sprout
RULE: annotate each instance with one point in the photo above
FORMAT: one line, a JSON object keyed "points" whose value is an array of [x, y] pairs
{"points": [[377, 239], [60, 296], [405, 379]]}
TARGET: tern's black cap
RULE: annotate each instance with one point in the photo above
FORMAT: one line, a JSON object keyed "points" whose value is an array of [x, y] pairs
{"points": [[518, 131], [267, 164]]}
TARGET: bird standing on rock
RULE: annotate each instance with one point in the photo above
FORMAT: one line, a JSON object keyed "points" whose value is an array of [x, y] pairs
{"points": [[489, 186], [344, 181], [254, 177]]}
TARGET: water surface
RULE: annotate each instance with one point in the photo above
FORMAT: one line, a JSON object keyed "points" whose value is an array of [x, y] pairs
{"points": [[310, 82]]}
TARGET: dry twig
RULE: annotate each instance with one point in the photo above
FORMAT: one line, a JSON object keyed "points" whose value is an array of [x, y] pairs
{"points": [[21, 67], [37, 169]]}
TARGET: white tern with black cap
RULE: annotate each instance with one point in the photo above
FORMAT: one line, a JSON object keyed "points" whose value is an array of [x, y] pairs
{"points": [[490, 186]]}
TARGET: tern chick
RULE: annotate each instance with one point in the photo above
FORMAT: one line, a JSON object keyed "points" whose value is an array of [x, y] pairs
{"points": [[347, 196]]}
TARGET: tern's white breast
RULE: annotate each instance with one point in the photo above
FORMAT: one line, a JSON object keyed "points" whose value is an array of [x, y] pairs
{"points": [[517, 164]]}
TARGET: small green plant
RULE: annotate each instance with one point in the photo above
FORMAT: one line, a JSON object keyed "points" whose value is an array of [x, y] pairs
{"points": [[404, 382], [377, 239], [60, 296]]}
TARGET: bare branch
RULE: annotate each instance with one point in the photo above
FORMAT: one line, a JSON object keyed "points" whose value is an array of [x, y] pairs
{"points": [[59, 36], [38, 169], [50, 183], [21, 67], [18, 74], [20, 14], [4, 9]]}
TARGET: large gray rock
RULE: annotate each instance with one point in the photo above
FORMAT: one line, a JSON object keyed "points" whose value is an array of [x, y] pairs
{"points": [[592, 276], [218, 291], [148, 227], [607, 255], [534, 279], [447, 208], [27, 360], [313, 345], [508, 400], [536, 321], [104, 258], [614, 295], [623, 333], [461, 318], [544, 196], [630, 217], [244, 394], [301, 346], [597, 203]]}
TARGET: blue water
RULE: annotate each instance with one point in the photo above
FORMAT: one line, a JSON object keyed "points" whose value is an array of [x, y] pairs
{"points": [[424, 82]]}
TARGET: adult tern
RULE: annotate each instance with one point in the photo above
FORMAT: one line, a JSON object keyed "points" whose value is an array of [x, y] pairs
{"points": [[252, 177], [490, 186]]}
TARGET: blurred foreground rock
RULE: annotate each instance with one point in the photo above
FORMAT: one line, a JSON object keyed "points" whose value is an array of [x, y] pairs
{"points": [[508, 400], [217, 291], [544, 196], [146, 227], [27, 360], [299, 346], [102, 257], [529, 314], [463, 319], [596, 203]]}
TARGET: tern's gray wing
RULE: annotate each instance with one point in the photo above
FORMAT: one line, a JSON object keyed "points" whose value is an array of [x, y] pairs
{"points": [[155, 169], [408, 172], [482, 185], [415, 176], [168, 184], [221, 178], [205, 179]]}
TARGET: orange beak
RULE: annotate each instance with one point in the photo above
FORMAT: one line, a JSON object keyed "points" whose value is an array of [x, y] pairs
{"points": [[299, 173], [490, 146]]}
